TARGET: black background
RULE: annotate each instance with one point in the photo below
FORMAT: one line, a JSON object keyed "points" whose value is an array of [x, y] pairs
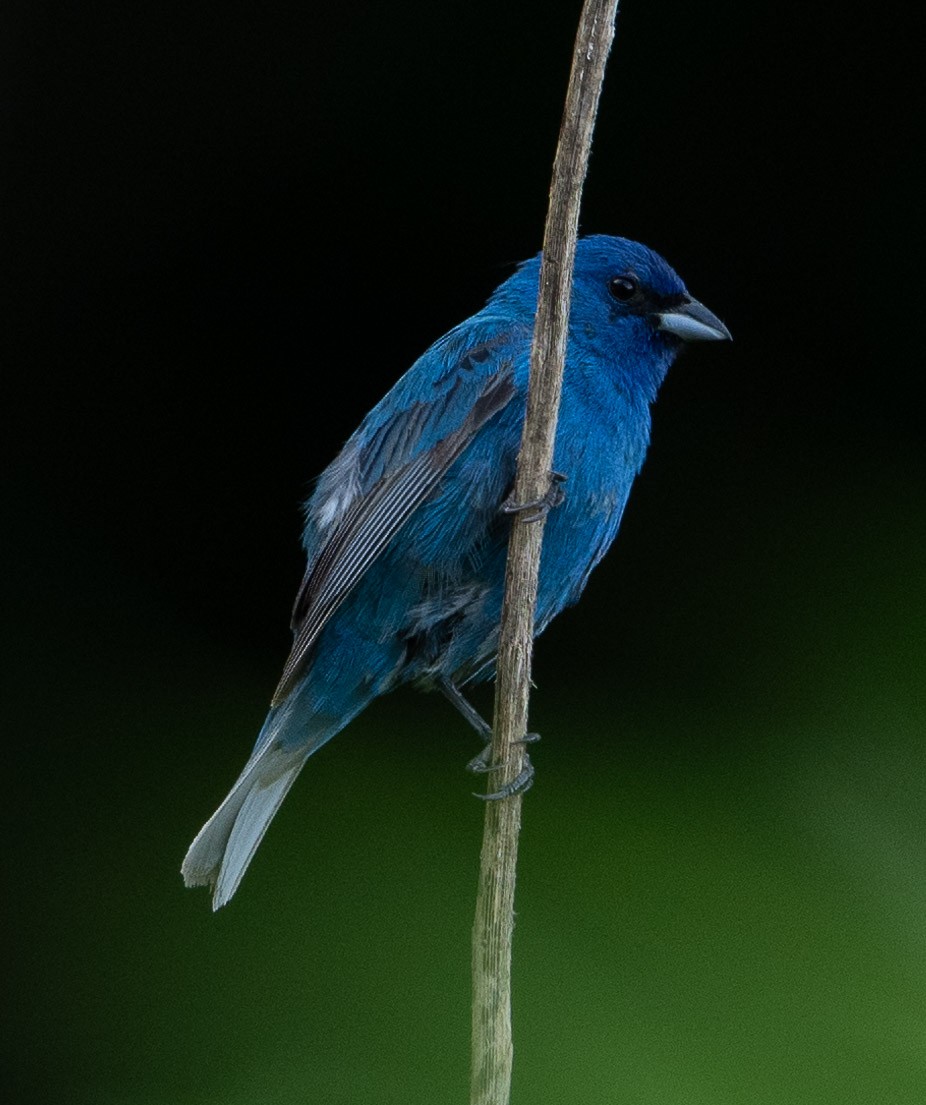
{"points": [[237, 229], [229, 229]]}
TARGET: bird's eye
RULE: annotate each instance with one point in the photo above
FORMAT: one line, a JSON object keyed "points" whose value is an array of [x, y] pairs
{"points": [[622, 288]]}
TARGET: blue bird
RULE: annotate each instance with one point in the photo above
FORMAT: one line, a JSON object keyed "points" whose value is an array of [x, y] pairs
{"points": [[406, 531]]}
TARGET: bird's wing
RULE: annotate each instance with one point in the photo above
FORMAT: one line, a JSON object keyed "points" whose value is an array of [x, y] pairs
{"points": [[390, 467]]}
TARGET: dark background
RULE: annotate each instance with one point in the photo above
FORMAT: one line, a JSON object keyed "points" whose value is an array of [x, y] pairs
{"points": [[228, 229]]}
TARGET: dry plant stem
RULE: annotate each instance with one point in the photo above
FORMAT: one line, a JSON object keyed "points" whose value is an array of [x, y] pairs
{"points": [[494, 922]]}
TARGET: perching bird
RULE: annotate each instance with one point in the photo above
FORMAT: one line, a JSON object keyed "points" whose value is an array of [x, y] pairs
{"points": [[406, 531]]}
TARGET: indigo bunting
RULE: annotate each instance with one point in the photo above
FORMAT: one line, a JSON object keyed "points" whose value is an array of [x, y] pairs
{"points": [[406, 531]]}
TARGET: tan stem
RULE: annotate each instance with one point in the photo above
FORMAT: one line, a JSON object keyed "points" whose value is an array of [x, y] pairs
{"points": [[494, 921]]}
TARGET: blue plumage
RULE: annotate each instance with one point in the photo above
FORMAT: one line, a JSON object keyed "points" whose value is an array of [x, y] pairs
{"points": [[405, 535]]}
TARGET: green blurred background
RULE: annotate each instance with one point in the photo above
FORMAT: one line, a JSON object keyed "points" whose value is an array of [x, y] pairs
{"points": [[722, 888]]}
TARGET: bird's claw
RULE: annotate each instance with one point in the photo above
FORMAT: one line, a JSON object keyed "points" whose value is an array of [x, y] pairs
{"points": [[518, 785], [479, 765], [553, 497], [482, 765]]}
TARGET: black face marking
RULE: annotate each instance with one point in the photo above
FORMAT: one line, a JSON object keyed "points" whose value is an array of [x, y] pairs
{"points": [[643, 301], [668, 302]]}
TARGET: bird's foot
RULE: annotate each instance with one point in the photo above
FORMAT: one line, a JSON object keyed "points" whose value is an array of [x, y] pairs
{"points": [[539, 508], [519, 784], [481, 765]]}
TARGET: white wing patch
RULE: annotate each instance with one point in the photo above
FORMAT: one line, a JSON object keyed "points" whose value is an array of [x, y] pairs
{"points": [[338, 489]]}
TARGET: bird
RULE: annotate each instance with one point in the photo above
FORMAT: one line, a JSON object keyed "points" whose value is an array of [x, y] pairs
{"points": [[406, 531]]}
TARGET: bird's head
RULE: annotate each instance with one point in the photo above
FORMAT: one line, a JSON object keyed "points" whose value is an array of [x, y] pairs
{"points": [[628, 306], [622, 284]]}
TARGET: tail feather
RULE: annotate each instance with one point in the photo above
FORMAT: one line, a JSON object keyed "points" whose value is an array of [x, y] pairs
{"points": [[221, 852], [292, 731]]}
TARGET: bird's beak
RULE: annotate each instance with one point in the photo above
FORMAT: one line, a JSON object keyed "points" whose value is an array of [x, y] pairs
{"points": [[692, 321]]}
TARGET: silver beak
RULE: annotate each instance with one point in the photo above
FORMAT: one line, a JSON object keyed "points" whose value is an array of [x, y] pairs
{"points": [[692, 321]]}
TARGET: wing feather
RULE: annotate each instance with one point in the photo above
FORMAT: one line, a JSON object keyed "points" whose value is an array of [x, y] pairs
{"points": [[371, 521]]}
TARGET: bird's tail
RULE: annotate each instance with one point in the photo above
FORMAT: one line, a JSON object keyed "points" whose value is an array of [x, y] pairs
{"points": [[225, 845], [223, 848], [293, 730]]}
